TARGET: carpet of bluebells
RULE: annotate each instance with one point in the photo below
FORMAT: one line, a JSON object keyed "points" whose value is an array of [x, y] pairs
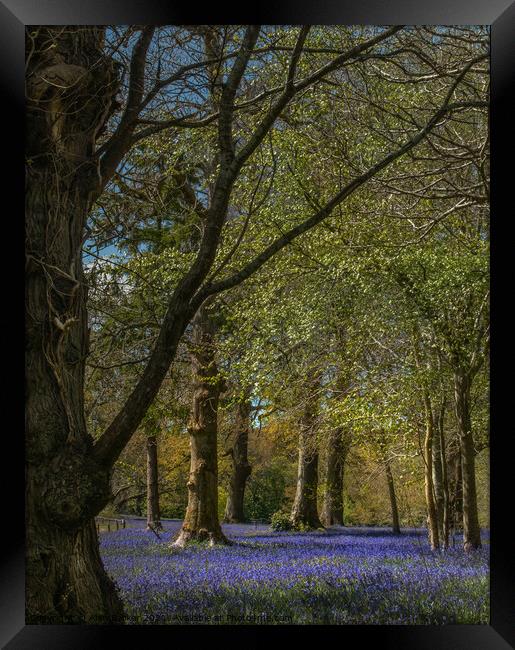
{"points": [[340, 576]]}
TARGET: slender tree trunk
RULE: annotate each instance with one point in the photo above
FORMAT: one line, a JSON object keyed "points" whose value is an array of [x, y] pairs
{"points": [[332, 513], [432, 519], [201, 521], [304, 511], [65, 487], [447, 515], [455, 492], [241, 469], [396, 527], [153, 514], [438, 478], [429, 492], [471, 530]]}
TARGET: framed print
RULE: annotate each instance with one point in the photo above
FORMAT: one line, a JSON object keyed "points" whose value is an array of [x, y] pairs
{"points": [[258, 362]]}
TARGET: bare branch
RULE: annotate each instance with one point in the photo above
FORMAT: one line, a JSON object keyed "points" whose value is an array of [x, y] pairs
{"points": [[120, 141]]}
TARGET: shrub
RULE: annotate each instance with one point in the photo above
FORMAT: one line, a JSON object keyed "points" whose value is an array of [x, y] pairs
{"points": [[265, 492], [280, 521]]}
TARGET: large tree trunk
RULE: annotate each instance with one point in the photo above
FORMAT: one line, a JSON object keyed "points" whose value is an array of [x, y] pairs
{"points": [[332, 513], [240, 465], [201, 520], [396, 527], [153, 514], [471, 530], [65, 487], [65, 580], [304, 511]]}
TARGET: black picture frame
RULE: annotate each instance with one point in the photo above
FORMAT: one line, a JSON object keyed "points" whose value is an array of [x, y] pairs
{"points": [[500, 15]]}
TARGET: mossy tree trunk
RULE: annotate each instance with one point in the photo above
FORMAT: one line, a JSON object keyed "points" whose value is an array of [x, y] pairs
{"points": [[337, 448], [432, 518], [241, 469], [396, 526], [471, 530], [65, 486], [441, 492], [455, 491], [429, 422], [201, 521], [304, 512], [153, 512]]}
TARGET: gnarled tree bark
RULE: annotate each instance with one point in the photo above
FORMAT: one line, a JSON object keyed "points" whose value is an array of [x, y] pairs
{"points": [[65, 486], [201, 520]]}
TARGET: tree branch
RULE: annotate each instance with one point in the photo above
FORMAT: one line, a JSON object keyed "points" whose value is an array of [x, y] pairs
{"points": [[326, 211], [229, 93], [120, 142]]}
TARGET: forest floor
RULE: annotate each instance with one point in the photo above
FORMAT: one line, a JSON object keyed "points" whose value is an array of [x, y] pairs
{"points": [[340, 576]]}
